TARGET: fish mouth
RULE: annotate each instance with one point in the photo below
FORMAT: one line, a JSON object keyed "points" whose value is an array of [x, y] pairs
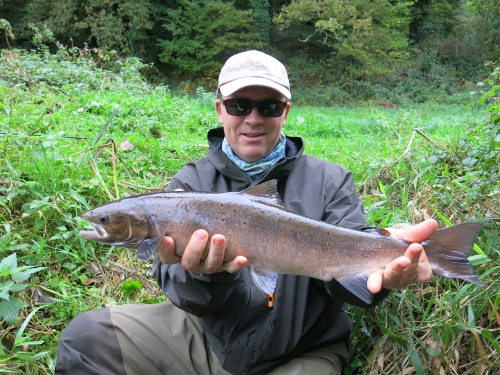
{"points": [[97, 234]]}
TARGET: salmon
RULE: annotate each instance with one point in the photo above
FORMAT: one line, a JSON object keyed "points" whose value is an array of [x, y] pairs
{"points": [[273, 239]]}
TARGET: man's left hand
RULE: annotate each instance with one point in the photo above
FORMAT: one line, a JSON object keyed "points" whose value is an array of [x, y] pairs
{"points": [[413, 266]]}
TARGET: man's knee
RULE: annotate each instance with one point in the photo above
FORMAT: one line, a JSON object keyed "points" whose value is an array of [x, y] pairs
{"points": [[89, 345]]}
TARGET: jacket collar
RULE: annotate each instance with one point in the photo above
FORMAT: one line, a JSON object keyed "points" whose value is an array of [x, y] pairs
{"points": [[294, 149]]}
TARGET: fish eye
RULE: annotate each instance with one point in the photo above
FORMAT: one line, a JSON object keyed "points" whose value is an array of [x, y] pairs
{"points": [[103, 218]]}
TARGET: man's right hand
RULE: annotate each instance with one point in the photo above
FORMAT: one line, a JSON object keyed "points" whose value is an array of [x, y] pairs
{"points": [[191, 258]]}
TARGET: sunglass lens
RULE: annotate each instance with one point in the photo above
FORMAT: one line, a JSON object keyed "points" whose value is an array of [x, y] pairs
{"points": [[243, 107], [270, 108], [238, 107]]}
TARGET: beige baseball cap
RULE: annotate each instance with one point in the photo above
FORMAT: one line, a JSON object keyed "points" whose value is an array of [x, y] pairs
{"points": [[253, 68]]}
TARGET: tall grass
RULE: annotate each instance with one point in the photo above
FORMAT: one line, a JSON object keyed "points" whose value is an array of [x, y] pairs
{"points": [[74, 135]]}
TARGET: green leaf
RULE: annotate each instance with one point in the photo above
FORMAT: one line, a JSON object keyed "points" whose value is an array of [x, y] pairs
{"points": [[130, 287], [417, 363], [18, 287], [24, 275], [8, 265], [19, 340], [37, 356], [433, 159], [487, 335], [9, 309], [30, 343], [393, 335], [5, 288], [446, 335], [479, 259], [444, 218], [471, 316], [478, 250]]}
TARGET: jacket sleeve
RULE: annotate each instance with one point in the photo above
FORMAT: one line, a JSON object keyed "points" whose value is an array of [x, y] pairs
{"points": [[342, 205], [197, 294]]}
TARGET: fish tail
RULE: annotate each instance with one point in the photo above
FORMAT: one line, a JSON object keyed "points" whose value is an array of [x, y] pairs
{"points": [[448, 249]]}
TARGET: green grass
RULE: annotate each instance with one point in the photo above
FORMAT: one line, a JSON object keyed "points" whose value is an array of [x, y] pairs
{"points": [[352, 137], [62, 122]]}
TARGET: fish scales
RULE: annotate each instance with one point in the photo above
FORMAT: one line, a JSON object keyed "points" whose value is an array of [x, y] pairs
{"points": [[300, 248], [257, 226]]}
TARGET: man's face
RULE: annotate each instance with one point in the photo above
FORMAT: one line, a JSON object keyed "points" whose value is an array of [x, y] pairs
{"points": [[254, 136]]}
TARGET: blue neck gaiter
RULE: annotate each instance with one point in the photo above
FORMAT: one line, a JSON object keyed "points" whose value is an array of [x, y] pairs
{"points": [[256, 169]]}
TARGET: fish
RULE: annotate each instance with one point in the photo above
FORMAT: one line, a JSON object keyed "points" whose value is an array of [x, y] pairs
{"points": [[273, 239]]}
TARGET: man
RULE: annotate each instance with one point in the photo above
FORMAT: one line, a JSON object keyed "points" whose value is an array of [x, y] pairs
{"points": [[219, 321]]}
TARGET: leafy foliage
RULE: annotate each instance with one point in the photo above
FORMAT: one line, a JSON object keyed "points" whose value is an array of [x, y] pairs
{"points": [[350, 51], [196, 47], [5, 25], [262, 18], [80, 127], [366, 38], [12, 277], [81, 67], [458, 180], [119, 25], [487, 26]]}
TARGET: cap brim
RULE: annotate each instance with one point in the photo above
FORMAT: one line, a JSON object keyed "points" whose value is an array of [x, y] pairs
{"points": [[233, 86]]}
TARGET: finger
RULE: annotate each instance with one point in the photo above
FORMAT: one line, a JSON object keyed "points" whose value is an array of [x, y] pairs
{"points": [[194, 251], [166, 251], [414, 252], [418, 256], [420, 267], [393, 275], [374, 283], [417, 233], [215, 257], [404, 270], [235, 265]]}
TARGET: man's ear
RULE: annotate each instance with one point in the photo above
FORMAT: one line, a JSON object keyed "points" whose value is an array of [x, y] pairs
{"points": [[218, 108], [285, 113]]}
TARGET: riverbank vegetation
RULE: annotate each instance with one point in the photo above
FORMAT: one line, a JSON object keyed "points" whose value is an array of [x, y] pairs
{"points": [[337, 53], [82, 126]]}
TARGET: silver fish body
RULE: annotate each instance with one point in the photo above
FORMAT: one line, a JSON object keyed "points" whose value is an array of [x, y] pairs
{"points": [[272, 238]]}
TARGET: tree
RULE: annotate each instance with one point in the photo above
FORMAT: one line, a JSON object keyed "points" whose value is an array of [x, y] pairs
{"points": [[119, 25], [487, 26], [262, 18], [203, 33], [368, 39]]}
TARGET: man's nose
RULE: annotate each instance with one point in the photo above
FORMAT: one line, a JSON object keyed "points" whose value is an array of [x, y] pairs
{"points": [[254, 116]]}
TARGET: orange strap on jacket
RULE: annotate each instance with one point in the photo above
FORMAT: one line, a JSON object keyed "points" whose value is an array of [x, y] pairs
{"points": [[270, 300]]}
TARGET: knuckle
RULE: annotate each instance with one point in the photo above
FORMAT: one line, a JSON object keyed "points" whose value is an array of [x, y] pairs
{"points": [[232, 269], [211, 268], [190, 265], [165, 259]]}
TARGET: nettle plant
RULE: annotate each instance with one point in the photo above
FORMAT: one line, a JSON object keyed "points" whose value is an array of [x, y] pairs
{"points": [[12, 280], [489, 153]]}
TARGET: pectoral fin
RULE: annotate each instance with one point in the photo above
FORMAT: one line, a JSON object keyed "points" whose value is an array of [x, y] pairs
{"points": [[357, 285], [265, 280], [148, 247]]}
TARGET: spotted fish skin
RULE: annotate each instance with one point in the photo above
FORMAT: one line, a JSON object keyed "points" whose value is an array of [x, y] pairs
{"points": [[258, 227]]}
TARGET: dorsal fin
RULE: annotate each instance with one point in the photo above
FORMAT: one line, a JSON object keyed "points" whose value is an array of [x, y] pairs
{"points": [[381, 231], [267, 190]]}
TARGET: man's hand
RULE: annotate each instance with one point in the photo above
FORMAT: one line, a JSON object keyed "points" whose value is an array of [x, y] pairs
{"points": [[191, 258], [413, 266]]}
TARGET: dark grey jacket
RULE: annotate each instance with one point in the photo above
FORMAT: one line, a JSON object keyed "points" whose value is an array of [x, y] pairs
{"points": [[247, 336]]}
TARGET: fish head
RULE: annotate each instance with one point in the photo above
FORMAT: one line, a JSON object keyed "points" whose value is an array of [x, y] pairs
{"points": [[119, 223]]}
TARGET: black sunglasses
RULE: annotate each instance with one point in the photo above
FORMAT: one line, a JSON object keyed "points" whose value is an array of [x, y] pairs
{"points": [[243, 107]]}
